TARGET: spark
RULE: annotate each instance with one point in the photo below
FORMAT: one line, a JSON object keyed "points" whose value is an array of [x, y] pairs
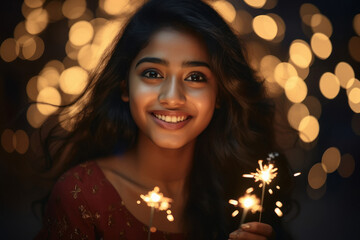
{"points": [[265, 174], [247, 202], [297, 174]]}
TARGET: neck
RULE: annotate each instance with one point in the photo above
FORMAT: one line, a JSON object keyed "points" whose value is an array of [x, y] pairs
{"points": [[166, 168]]}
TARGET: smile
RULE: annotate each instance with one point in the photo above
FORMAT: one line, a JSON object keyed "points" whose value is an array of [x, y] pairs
{"points": [[171, 119]]}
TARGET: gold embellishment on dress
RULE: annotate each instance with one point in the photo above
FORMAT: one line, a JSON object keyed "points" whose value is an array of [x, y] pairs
{"points": [[111, 208], [76, 191], [97, 215], [110, 220], [95, 189], [84, 213], [128, 224], [84, 165], [89, 171], [76, 175], [122, 203]]}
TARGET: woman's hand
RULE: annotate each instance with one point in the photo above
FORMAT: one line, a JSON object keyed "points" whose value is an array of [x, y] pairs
{"points": [[253, 231]]}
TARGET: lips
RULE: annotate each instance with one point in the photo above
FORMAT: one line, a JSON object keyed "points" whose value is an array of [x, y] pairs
{"points": [[170, 119]]}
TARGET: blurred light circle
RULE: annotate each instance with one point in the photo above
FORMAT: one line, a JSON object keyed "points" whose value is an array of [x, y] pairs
{"points": [[255, 3], [34, 117], [73, 9], [321, 24], [265, 27], [300, 53], [31, 88], [296, 113], [329, 85], [295, 89], [307, 10], [34, 3], [47, 96], [354, 95], [225, 9], [347, 166], [284, 71], [331, 159], [54, 10], [356, 24], [354, 48], [9, 50], [73, 80], [345, 73], [89, 56], [21, 140], [321, 45], [242, 22], [267, 66], [308, 129], [7, 140], [281, 27], [37, 21], [81, 33], [317, 176]]}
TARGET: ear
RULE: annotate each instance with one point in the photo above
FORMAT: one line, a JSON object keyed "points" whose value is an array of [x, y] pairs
{"points": [[125, 97]]}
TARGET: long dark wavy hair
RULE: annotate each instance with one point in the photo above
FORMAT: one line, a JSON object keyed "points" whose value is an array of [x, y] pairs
{"points": [[240, 132]]}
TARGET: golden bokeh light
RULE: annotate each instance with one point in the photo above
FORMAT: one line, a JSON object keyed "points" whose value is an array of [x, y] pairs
{"points": [[354, 48], [9, 50], [317, 176], [54, 10], [281, 27], [34, 117], [115, 7], [321, 45], [73, 80], [242, 22], [307, 10], [329, 85], [25, 10], [34, 3], [225, 9], [314, 106], [331, 159], [256, 51], [267, 66], [48, 77], [89, 56], [21, 141], [73, 9], [303, 73], [308, 129], [273, 89], [347, 166], [265, 27], [33, 48], [354, 95], [7, 140], [47, 96], [55, 64], [31, 88], [20, 30], [37, 21], [81, 33], [345, 73], [296, 113], [284, 71], [105, 34], [255, 3], [300, 53], [321, 24], [295, 89], [270, 4], [71, 50], [356, 24]]}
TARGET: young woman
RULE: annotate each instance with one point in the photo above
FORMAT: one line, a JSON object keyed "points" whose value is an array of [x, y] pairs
{"points": [[175, 105]]}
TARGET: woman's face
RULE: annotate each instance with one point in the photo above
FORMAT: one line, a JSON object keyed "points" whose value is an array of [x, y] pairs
{"points": [[172, 91]]}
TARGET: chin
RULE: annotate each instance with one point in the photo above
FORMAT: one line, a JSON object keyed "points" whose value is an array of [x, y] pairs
{"points": [[170, 144]]}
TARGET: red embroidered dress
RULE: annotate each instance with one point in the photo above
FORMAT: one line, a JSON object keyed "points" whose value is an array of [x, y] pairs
{"points": [[84, 205]]}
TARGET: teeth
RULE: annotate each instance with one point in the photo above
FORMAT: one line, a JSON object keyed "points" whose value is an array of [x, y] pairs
{"points": [[170, 119]]}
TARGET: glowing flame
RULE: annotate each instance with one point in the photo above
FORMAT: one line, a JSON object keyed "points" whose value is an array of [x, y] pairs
{"points": [[247, 202], [265, 174], [155, 199]]}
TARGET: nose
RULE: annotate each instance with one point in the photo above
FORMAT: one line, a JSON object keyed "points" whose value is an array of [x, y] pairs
{"points": [[172, 93]]}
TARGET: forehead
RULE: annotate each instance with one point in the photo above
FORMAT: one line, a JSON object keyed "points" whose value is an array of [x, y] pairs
{"points": [[174, 45]]}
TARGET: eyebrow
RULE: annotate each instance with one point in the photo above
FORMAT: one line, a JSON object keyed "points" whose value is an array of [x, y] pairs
{"points": [[166, 63]]}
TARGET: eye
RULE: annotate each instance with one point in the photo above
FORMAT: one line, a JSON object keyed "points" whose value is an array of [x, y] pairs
{"points": [[196, 77], [151, 74]]}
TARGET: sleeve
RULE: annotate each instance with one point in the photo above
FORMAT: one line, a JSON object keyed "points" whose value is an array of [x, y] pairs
{"points": [[67, 215]]}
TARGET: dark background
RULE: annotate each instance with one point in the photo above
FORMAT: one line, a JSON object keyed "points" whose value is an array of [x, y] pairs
{"points": [[333, 215]]}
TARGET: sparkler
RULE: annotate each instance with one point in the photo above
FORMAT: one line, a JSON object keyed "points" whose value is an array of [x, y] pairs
{"points": [[156, 200], [247, 202], [265, 174]]}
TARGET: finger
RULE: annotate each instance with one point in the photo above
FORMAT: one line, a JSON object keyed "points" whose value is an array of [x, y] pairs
{"points": [[242, 235], [258, 228]]}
